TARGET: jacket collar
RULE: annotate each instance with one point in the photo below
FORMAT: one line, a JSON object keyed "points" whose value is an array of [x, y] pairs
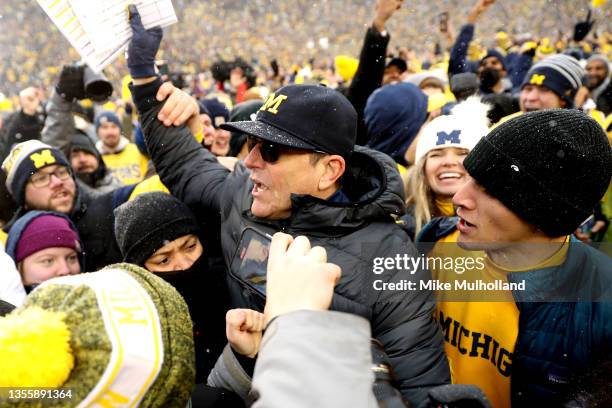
{"points": [[579, 279]]}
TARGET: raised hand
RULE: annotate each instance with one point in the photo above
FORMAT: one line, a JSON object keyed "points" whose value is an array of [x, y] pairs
{"points": [[143, 47], [384, 10]]}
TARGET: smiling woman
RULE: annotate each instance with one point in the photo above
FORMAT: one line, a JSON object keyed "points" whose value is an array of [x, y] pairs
{"points": [[438, 173]]}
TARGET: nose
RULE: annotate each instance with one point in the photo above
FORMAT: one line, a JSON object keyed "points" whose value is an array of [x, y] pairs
{"points": [[449, 160], [182, 262], [63, 268], [253, 159], [463, 198]]}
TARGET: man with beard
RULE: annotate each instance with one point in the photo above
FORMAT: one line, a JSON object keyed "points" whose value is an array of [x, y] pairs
{"points": [[88, 164], [39, 177], [120, 155], [598, 82]]}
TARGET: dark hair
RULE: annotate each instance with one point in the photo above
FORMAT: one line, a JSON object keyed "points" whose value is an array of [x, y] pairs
{"points": [[316, 156]]}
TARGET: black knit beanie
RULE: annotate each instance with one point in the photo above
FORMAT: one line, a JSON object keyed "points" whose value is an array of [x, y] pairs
{"points": [[549, 167], [150, 221]]}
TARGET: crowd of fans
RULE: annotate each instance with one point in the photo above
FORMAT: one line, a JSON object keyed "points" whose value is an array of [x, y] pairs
{"points": [[291, 32], [271, 204]]}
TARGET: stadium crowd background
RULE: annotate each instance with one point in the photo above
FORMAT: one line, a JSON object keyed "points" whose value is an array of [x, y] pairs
{"points": [[32, 50]]}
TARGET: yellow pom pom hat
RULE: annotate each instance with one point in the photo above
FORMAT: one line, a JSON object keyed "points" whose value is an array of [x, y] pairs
{"points": [[117, 337]]}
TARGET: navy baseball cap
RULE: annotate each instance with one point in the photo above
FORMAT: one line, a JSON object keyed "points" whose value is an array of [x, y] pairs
{"points": [[310, 117]]}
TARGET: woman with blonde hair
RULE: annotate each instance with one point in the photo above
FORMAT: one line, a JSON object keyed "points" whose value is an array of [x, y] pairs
{"points": [[438, 171]]}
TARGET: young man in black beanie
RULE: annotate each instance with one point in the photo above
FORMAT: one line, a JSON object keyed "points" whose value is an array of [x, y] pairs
{"points": [[159, 233], [534, 179]]}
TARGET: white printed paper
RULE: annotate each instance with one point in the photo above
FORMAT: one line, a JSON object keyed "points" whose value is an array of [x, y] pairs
{"points": [[100, 30]]}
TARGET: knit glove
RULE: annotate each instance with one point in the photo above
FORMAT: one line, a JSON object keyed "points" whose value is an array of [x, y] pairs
{"points": [[143, 46]]}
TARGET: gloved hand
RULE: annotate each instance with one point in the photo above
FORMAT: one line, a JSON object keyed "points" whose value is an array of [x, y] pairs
{"points": [[143, 46], [582, 28], [70, 83]]}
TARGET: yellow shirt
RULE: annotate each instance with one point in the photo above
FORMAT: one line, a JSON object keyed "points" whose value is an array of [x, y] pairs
{"points": [[149, 185], [445, 208], [3, 237], [129, 165], [480, 335]]}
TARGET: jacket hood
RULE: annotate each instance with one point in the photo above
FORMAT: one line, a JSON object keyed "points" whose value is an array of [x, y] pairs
{"points": [[375, 190], [393, 116]]}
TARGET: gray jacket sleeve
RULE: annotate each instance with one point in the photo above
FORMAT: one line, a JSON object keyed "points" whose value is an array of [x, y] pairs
{"points": [[59, 124], [315, 359], [228, 374]]}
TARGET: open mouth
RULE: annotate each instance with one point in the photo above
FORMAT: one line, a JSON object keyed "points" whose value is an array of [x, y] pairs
{"points": [[61, 195], [464, 225], [258, 187], [449, 176]]}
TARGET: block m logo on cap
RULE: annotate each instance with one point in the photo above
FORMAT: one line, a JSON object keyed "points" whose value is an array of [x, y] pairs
{"points": [[273, 103], [537, 79], [452, 137], [42, 159]]}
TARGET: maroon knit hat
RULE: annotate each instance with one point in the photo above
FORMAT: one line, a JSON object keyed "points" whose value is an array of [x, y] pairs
{"points": [[46, 231]]}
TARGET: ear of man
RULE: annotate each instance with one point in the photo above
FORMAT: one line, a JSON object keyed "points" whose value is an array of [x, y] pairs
{"points": [[333, 167]]}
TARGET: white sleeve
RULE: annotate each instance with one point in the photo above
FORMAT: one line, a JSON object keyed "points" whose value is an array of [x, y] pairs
{"points": [[11, 288]]}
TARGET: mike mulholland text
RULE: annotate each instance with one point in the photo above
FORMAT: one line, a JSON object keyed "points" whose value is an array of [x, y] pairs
{"points": [[437, 285]]}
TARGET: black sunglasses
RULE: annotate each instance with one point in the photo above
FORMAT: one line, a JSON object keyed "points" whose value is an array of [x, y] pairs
{"points": [[270, 152]]}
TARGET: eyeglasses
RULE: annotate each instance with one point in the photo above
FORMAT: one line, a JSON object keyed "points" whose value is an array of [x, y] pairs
{"points": [[42, 179], [270, 152]]}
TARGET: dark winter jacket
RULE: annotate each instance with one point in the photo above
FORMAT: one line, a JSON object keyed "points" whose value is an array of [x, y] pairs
{"points": [[604, 100], [559, 344], [368, 77], [352, 233]]}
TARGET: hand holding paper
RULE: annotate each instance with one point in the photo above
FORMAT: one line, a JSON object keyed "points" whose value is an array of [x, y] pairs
{"points": [[143, 46], [87, 25]]}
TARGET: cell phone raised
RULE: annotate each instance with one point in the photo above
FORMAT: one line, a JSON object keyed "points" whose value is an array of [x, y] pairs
{"points": [[251, 259]]}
